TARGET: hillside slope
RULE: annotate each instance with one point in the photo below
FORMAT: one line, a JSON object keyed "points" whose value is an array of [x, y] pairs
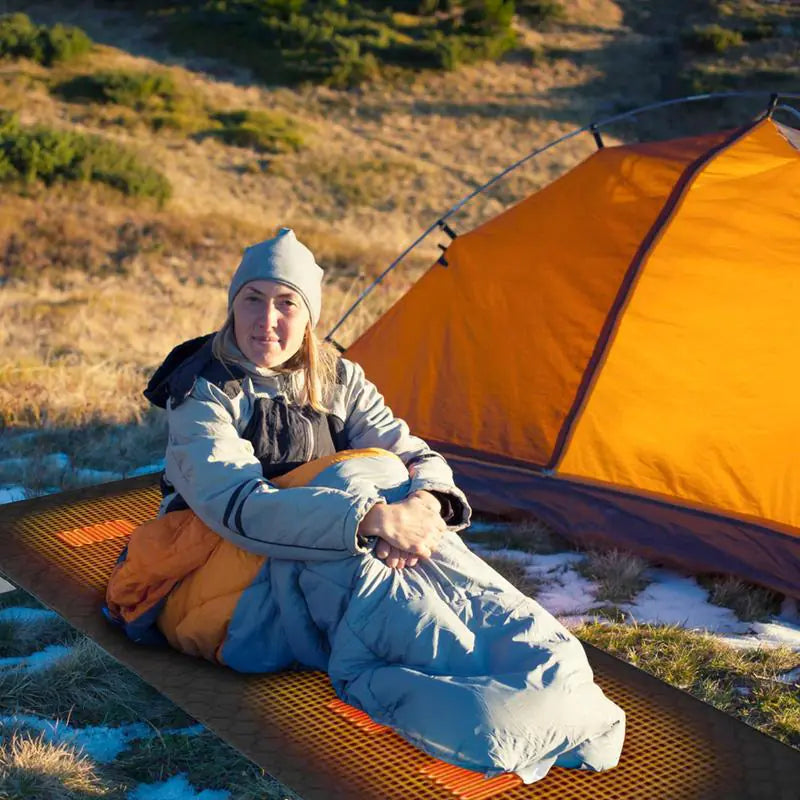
{"points": [[97, 286]]}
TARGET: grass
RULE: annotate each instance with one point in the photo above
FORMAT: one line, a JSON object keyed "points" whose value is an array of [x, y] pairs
{"points": [[16, 598], [134, 97], [85, 688], [515, 573], [364, 182], [33, 769], [206, 760], [742, 683], [262, 131], [620, 576], [712, 38], [88, 687], [530, 536], [748, 602], [21, 640], [734, 45]]}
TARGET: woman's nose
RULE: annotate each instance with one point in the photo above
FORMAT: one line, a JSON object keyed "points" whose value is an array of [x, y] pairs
{"points": [[269, 315]]}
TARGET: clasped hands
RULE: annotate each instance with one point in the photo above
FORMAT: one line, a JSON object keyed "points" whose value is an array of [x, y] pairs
{"points": [[407, 530]]}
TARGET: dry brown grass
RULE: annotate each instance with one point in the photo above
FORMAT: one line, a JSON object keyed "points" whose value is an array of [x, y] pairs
{"points": [[33, 769], [748, 602], [99, 289], [619, 575]]}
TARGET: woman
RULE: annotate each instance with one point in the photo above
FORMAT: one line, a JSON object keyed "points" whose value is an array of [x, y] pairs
{"points": [[353, 565]]}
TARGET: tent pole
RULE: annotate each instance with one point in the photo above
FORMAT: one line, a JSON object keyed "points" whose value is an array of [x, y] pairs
{"points": [[594, 129], [598, 139]]}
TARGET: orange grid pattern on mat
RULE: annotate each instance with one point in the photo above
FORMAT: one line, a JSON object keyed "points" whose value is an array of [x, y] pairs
{"points": [[99, 532], [468, 785], [386, 766], [390, 768], [359, 718], [92, 562]]}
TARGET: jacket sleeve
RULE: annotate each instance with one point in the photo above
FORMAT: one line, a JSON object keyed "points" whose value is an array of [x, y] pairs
{"points": [[217, 473], [371, 423]]}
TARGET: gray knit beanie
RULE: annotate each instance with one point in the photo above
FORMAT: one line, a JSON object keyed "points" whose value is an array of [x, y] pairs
{"points": [[285, 260]]}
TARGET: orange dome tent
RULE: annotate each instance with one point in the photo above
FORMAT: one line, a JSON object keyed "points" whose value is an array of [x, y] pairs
{"points": [[619, 354]]}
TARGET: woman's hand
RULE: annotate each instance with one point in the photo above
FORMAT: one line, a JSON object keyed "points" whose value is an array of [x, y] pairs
{"points": [[394, 558], [409, 529]]}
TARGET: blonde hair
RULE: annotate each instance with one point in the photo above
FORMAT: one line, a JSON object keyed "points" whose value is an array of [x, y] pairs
{"points": [[311, 371]]}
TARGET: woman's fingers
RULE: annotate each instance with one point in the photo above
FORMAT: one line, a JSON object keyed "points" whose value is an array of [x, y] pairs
{"points": [[394, 557], [408, 525]]}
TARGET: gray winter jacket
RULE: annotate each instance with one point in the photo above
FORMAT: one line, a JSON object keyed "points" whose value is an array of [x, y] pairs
{"points": [[212, 464]]}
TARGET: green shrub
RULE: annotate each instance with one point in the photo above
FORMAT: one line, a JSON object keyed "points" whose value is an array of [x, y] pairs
{"points": [[541, 11], [491, 15], [699, 81], [22, 38], [137, 90], [154, 96], [712, 38], [352, 67], [759, 31], [341, 43], [265, 131], [49, 155]]}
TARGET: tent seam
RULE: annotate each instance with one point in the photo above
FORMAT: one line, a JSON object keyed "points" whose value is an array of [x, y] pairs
{"points": [[626, 290]]}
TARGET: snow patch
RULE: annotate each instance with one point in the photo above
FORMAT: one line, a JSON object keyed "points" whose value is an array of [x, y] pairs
{"points": [[101, 743], [98, 742], [38, 661], [12, 494], [26, 615], [176, 788], [792, 677], [674, 599], [60, 462]]}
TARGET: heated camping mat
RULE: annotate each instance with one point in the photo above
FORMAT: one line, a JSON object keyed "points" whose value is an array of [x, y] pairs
{"points": [[62, 548]]}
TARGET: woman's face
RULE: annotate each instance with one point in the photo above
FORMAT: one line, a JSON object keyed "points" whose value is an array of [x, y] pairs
{"points": [[269, 322]]}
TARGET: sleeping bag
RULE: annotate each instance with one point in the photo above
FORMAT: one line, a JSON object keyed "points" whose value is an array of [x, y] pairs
{"points": [[448, 653]]}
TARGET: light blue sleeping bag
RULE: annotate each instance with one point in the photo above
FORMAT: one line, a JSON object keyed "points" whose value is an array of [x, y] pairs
{"points": [[448, 653]]}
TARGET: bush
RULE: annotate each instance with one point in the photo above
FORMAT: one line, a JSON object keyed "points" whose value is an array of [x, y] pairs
{"points": [[21, 38], [489, 15], [265, 131], [760, 31], [341, 43], [540, 12], [712, 38], [353, 68], [48, 155], [137, 90]]}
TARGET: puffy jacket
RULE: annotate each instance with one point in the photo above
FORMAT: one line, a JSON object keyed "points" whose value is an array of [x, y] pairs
{"points": [[231, 430]]}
